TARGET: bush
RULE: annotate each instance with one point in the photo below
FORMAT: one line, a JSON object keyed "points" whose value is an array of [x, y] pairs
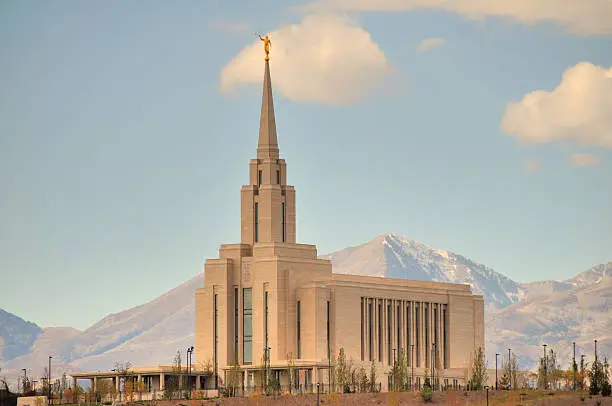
{"points": [[606, 388], [427, 394]]}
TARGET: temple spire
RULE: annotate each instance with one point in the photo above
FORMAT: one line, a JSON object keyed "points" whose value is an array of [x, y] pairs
{"points": [[267, 146]]}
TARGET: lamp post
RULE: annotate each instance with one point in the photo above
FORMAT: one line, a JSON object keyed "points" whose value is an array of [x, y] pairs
{"points": [[25, 379], [49, 380], [496, 355], [545, 368], [574, 366], [412, 363], [595, 350], [509, 369], [189, 360]]}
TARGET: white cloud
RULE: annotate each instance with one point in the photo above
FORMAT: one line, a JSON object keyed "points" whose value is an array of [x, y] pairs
{"points": [[578, 110], [583, 160], [325, 58], [531, 165], [584, 17], [429, 43]]}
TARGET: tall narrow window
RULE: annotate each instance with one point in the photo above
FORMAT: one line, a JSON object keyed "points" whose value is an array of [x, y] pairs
{"points": [[426, 335], [398, 328], [259, 177], [370, 331], [380, 332], [216, 333], [299, 330], [362, 328], [435, 337], [247, 325], [278, 177], [236, 312], [389, 334], [444, 339], [417, 331], [408, 338], [283, 220], [266, 316], [256, 222], [328, 333]]}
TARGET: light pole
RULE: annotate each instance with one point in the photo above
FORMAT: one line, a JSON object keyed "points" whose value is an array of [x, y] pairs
{"points": [[545, 368], [25, 379], [412, 363], [595, 350], [496, 355], [574, 366], [49, 380], [509, 369]]}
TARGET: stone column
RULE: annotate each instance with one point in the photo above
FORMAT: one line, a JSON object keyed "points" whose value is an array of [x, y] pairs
{"points": [[162, 381]]}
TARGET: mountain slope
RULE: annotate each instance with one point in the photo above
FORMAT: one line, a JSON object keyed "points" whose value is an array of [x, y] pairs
{"points": [[148, 334], [392, 256], [580, 314], [16, 335]]}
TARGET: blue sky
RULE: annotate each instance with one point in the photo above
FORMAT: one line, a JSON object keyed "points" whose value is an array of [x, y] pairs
{"points": [[121, 160]]}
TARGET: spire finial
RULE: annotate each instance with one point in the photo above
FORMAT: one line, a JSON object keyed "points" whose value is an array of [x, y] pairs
{"points": [[267, 45]]}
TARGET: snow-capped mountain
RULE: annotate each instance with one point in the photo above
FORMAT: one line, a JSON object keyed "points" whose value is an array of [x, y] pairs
{"points": [[392, 256], [521, 316]]}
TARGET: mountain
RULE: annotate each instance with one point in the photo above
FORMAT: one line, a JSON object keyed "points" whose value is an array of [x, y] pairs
{"points": [[392, 256], [521, 316], [148, 334], [16, 335], [580, 314]]}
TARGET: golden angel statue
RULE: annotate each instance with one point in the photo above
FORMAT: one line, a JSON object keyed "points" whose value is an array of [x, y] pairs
{"points": [[267, 45]]}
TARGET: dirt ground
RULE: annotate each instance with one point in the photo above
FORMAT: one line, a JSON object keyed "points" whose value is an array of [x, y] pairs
{"points": [[500, 398]]}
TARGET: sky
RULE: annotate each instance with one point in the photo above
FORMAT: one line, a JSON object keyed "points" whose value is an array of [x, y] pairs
{"points": [[126, 129]]}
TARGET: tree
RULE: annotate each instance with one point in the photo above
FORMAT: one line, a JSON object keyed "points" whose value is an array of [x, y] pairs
{"points": [[362, 380], [342, 372], [478, 373], [399, 372], [123, 370], [599, 378], [606, 388], [234, 379], [372, 380], [291, 371], [172, 384]]}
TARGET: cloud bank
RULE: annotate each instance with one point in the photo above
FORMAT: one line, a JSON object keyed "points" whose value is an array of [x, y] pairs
{"points": [[583, 17], [578, 110], [429, 43], [325, 58]]}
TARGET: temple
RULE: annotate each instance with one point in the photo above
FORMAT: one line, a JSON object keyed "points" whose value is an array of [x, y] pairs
{"points": [[270, 307]]}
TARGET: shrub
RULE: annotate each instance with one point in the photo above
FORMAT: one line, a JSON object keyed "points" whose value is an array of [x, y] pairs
{"points": [[427, 394], [606, 388]]}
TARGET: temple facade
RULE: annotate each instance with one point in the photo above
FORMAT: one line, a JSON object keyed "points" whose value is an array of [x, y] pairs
{"points": [[270, 302]]}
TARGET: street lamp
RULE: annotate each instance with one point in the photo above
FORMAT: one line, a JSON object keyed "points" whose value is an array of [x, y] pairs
{"points": [[49, 380], [509, 369], [496, 355], [545, 368], [412, 363], [574, 366], [595, 350]]}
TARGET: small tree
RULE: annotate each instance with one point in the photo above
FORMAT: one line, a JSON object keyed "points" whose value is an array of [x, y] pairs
{"points": [[342, 372], [478, 374], [372, 379], [606, 388], [291, 371], [362, 380], [234, 379]]}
